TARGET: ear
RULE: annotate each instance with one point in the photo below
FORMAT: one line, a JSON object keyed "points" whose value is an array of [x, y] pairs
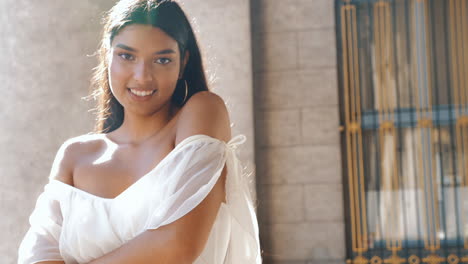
{"points": [[184, 63]]}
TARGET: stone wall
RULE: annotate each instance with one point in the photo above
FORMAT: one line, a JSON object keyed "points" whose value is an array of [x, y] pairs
{"points": [[44, 72], [297, 120]]}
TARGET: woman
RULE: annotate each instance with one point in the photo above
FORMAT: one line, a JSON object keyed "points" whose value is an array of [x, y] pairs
{"points": [[160, 182]]}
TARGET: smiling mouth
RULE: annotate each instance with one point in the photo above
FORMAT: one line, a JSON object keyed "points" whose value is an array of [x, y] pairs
{"points": [[141, 93]]}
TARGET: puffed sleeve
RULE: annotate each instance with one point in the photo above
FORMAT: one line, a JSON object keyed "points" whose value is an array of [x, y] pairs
{"points": [[41, 242], [190, 176]]}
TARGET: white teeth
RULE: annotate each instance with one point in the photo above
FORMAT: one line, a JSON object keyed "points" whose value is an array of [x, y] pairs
{"points": [[140, 93]]}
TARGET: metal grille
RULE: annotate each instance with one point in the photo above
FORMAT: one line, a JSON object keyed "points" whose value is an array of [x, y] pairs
{"points": [[404, 104]]}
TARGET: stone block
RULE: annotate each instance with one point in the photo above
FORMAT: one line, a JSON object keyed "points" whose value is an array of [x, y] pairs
{"points": [[278, 127], [324, 202], [290, 15], [270, 260], [307, 241], [299, 164], [277, 90], [326, 261], [315, 14], [317, 48], [274, 16], [275, 51], [317, 87], [320, 125], [292, 89], [281, 203]]}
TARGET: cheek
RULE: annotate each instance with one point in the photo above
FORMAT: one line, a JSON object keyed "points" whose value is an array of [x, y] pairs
{"points": [[171, 81], [166, 77], [117, 73]]}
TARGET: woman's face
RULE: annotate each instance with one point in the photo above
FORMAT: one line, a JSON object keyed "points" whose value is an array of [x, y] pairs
{"points": [[144, 66]]}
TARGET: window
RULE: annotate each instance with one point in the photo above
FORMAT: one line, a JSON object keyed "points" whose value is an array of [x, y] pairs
{"points": [[404, 110]]}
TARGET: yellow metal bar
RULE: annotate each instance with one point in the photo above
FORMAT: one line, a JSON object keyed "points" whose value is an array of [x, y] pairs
{"points": [[378, 58], [390, 84], [344, 23], [462, 50], [352, 82], [417, 107], [427, 26], [435, 194], [462, 154], [353, 129], [425, 135], [459, 57], [397, 243], [453, 51], [387, 131], [414, 61], [357, 91], [435, 186], [465, 45], [353, 134], [357, 88]]}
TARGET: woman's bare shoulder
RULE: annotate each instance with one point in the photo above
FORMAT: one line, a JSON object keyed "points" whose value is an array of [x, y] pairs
{"points": [[204, 113], [70, 152]]}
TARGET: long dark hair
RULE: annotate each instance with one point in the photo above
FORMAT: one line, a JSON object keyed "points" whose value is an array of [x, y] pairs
{"points": [[166, 15]]}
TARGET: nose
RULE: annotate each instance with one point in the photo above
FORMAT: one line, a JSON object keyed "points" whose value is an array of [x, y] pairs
{"points": [[143, 73]]}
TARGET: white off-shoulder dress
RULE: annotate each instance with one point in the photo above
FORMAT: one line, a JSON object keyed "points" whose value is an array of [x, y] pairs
{"points": [[75, 226]]}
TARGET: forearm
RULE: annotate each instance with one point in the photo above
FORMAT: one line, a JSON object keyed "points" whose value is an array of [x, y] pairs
{"points": [[155, 247]]}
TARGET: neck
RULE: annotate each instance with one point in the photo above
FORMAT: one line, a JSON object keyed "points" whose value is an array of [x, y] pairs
{"points": [[136, 129]]}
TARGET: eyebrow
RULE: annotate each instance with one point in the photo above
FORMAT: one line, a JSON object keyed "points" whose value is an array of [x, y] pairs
{"points": [[125, 47]]}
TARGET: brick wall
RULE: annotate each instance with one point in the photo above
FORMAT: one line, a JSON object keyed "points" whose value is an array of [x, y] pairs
{"points": [[299, 180]]}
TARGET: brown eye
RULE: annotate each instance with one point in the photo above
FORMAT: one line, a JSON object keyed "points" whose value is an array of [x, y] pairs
{"points": [[126, 56], [163, 61]]}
